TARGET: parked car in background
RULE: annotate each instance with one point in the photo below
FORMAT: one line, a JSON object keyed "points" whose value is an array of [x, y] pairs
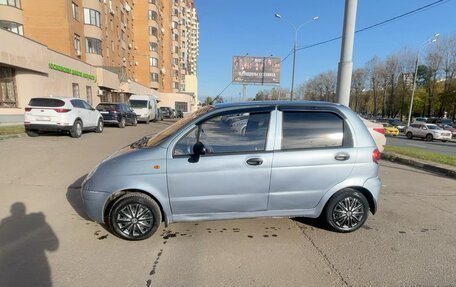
{"points": [[295, 159], [428, 132], [145, 107], [451, 129], [179, 114], [398, 124], [167, 112], [390, 130], [420, 120], [377, 131], [118, 114], [440, 122], [70, 115], [159, 114]]}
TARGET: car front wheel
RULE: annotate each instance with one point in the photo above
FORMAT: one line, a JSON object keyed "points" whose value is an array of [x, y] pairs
{"points": [[429, 137], [122, 123], [346, 211], [409, 135], [134, 216]]}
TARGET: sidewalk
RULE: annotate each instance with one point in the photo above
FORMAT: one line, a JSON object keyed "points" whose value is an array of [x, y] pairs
{"points": [[437, 168]]}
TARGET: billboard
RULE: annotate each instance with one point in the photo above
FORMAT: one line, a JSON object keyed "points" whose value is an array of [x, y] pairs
{"points": [[256, 70]]}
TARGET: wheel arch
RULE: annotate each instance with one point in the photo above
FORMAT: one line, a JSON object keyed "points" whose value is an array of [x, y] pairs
{"points": [[116, 195], [367, 195]]}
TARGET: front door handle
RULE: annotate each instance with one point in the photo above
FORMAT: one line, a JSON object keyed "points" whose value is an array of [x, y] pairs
{"points": [[342, 156], [255, 161]]}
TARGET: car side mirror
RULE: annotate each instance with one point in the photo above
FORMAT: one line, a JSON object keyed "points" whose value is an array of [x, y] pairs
{"points": [[198, 150]]}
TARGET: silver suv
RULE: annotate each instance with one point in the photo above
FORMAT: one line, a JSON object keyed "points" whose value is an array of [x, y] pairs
{"points": [[309, 159], [428, 132]]}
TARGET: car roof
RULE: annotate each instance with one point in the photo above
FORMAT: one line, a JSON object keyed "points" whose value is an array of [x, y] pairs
{"points": [[274, 103]]}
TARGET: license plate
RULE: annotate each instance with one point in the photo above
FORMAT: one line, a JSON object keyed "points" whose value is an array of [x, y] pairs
{"points": [[104, 113], [44, 119]]}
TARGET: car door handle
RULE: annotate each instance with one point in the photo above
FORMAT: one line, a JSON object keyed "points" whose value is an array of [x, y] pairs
{"points": [[255, 161], [342, 156]]}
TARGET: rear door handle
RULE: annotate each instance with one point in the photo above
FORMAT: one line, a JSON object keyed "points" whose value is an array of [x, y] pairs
{"points": [[255, 161], [342, 156]]}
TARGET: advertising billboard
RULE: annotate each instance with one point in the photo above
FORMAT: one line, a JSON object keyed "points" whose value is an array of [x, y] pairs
{"points": [[256, 70]]}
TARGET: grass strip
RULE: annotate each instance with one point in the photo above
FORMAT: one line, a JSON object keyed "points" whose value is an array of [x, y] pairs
{"points": [[424, 155], [11, 130]]}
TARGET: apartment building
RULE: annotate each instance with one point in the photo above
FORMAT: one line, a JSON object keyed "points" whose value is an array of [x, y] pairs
{"points": [[128, 46]]}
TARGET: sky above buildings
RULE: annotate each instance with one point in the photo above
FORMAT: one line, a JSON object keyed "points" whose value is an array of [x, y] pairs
{"points": [[236, 27]]}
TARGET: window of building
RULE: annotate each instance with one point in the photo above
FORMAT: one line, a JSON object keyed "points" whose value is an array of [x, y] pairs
{"points": [[175, 73], [153, 31], [176, 85], [153, 62], [91, 17], [152, 15], [13, 3], [181, 106], [175, 49], [175, 61], [174, 25], [89, 94], [303, 130], [175, 12], [12, 27], [75, 90], [153, 46], [176, 37], [154, 77], [74, 11], [93, 46], [152, 1], [77, 45], [8, 94]]}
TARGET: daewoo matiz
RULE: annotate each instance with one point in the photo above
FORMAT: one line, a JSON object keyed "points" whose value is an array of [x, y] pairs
{"points": [[294, 159]]}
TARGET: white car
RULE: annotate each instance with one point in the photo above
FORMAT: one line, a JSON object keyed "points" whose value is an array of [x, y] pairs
{"points": [[428, 132], [71, 115], [377, 132]]}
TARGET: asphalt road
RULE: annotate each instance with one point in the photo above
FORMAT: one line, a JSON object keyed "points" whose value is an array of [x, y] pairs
{"points": [[45, 239], [448, 148]]}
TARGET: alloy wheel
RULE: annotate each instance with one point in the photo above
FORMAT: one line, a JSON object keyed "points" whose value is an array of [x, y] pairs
{"points": [[135, 220], [348, 213]]}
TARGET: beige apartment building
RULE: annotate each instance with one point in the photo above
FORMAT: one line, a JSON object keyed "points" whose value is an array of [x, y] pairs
{"points": [[101, 50]]}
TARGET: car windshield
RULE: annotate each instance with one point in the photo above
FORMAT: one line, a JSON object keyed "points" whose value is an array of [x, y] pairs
{"points": [[433, 127], [154, 140], [137, 103]]}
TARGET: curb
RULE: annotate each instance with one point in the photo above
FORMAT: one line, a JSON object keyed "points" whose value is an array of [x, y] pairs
{"points": [[4, 137], [434, 168]]}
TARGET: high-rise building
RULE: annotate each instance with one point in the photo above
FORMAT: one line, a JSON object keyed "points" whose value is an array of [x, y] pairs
{"points": [[127, 46]]}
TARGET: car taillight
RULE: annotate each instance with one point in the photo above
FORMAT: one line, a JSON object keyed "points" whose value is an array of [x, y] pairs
{"points": [[59, 110], [376, 154], [380, 130], [28, 109]]}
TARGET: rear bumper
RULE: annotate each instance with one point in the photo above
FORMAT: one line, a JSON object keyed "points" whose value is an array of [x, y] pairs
{"points": [[108, 119], [46, 128], [373, 185]]}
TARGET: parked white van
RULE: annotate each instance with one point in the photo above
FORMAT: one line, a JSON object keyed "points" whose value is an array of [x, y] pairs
{"points": [[145, 107]]}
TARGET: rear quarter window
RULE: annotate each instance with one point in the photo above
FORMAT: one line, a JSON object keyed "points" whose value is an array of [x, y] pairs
{"points": [[304, 130], [44, 102]]}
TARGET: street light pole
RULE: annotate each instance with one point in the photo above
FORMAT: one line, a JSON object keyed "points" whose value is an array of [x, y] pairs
{"points": [[428, 41], [295, 45]]}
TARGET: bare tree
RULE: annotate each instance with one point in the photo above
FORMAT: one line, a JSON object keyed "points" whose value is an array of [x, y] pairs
{"points": [[358, 104], [434, 62]]}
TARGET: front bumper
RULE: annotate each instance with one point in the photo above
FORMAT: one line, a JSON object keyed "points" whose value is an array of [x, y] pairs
{"points": [[442, 137], [94, 202]]}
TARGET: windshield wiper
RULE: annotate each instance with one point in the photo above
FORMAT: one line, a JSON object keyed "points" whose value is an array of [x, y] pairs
{"points": [[141, 142]]}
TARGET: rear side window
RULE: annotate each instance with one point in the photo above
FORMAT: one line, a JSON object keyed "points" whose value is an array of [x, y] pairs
{"points": [[45, 102], [303, 130]]}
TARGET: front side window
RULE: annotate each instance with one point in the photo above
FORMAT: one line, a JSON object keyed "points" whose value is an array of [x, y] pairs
{"points": [[91, 17], [93, 46], [12, 27], [13, 3], [232, 133], [7, 88], [302, 130]]}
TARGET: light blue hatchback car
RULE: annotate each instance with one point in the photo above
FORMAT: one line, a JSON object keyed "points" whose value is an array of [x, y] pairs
{"points": [[285, 159]]}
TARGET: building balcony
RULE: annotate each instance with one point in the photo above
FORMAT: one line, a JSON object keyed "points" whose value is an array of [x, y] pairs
{"points": [[11, 14]]}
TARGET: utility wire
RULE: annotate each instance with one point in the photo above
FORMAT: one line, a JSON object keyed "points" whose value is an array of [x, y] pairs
{"points": [[415, 11]]}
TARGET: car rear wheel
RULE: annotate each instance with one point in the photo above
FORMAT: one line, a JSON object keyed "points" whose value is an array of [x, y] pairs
{"points": [[134, 216], [135, 121], [76, 130], [32, 133], [100, 126], [346, 211], [409, 135], [122, 123], [429, 137]]}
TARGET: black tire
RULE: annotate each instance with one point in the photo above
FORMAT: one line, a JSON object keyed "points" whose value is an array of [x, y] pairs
{"points": [[32, 133], [76, 130], [100, 126], [122, 123], [429, 137], [339, 211], [132, 204], [135, 121], [409, 135]]}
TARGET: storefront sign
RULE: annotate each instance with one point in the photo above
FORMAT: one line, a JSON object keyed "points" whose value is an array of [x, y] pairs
{"points": [[72, 72]]}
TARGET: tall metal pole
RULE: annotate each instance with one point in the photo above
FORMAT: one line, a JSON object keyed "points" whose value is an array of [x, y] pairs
{"points": [[346, 55], [294, 61]]}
